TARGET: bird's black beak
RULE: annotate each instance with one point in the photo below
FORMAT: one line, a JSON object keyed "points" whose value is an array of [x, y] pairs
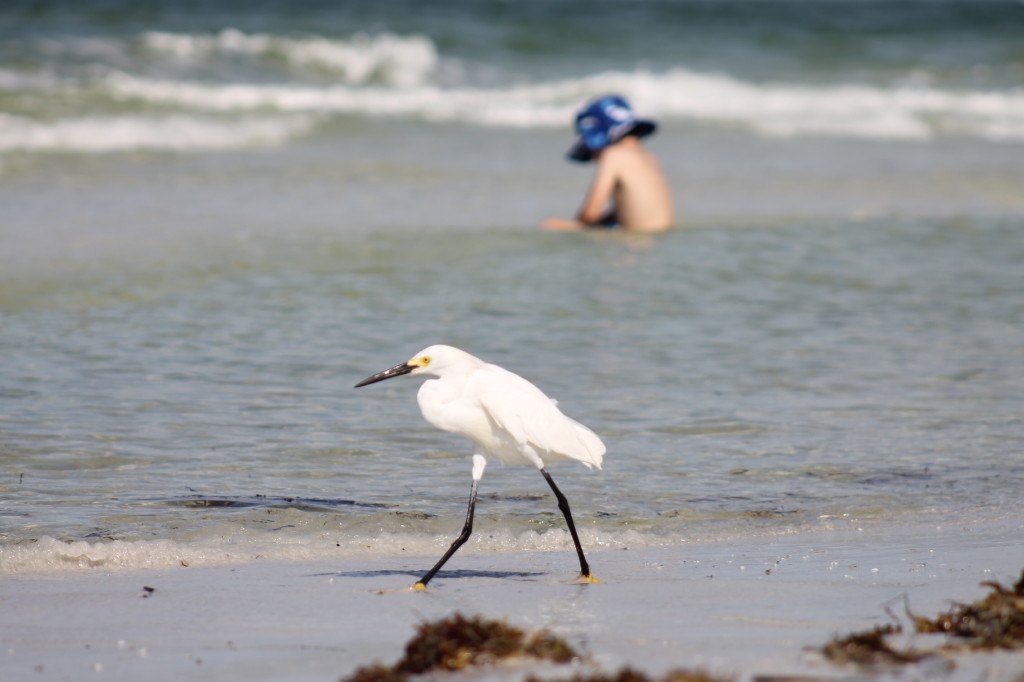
{"points": [[396, 371]]}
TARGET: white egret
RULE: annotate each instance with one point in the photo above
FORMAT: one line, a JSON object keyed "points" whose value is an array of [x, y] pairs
{"points": [[504, 416]]}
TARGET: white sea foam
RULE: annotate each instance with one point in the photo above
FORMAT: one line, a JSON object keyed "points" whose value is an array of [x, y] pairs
{"points": [[51, 554], [859, 111], [518, 107], [260, 76], [178, 132], [848, 110], [14, 81], [402, 61]]}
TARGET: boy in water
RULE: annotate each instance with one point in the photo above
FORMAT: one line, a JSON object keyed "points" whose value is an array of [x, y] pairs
{"points": [[629, 189]]}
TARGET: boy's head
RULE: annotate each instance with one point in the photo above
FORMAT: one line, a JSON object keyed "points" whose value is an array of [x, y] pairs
{"points": [[603, 121]]}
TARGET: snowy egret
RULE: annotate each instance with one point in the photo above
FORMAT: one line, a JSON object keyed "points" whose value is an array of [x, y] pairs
{"points": [[505, 416]]}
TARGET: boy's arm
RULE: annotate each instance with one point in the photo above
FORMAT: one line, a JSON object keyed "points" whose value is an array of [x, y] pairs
{"points": [[562, 224], [594, 211]]}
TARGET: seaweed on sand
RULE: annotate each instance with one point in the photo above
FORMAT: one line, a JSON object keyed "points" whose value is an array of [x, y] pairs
{"points": [[457, 642], [627, 674], [994, 622], [377, 673], [868, 648]]}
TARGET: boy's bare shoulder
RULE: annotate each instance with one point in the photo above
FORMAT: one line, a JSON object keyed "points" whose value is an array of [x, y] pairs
{"points": [[627, 146], [627, 154]]}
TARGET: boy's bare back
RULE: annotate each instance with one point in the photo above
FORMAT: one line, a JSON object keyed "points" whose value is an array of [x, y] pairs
{"points": [[629, 189], [639, 191]]}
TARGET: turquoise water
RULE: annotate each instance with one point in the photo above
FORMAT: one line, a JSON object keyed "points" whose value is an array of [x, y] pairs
{"points": [[98, 77], [745, 381], [212, 226]]}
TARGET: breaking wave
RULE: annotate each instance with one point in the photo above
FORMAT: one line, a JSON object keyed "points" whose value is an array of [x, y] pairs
{"points": [[52, 554], [859, 111], [230, 89], [179, 132], [400, 61]]}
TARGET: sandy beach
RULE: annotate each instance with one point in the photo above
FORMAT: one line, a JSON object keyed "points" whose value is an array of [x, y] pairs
{"points": [[217, 218], [758, 609]]}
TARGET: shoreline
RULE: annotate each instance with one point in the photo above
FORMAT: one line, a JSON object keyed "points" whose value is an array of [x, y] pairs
{"points": [[745, 610]]}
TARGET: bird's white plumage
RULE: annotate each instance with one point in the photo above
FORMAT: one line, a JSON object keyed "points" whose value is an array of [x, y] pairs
{"points": [[503, 414]]}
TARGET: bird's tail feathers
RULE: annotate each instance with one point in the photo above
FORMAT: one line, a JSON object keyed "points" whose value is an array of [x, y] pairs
{"points": [[593, 448]]}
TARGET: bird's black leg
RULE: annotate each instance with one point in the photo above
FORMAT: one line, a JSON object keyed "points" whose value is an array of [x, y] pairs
{"points": [[467, 530], [563, 504]]}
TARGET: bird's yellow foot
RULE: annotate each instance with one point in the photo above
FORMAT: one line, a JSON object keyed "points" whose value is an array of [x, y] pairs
{"points": [[587, 579], [419, 586]]}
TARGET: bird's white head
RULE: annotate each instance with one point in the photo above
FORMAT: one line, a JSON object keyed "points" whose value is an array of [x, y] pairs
{"points": [[437, 360]]}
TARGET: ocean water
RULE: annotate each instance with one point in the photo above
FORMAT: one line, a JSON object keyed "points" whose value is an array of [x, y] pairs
{"points": [[215, 219]]}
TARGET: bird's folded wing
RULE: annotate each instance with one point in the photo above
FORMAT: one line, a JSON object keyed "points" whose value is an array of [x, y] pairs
{"points": [[530, 417]]}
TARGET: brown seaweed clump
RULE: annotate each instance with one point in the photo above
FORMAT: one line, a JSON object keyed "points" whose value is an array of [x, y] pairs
{"points": [[995, 622], [377, 673], [627, 674], [456, 642], [869, 649]]}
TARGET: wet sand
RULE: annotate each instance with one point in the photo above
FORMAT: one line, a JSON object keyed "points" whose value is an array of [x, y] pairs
{"points": [[747, 610]]}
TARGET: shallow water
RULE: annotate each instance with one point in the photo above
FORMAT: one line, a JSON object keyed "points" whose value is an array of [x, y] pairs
{"points": [[743, 380], [832, 339]]}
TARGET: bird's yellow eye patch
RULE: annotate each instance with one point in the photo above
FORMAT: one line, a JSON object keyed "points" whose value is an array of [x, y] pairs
{"points": [[421, 361]]}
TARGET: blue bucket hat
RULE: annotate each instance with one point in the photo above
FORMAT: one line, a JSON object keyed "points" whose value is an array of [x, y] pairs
{"points": [[604, 121]]}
